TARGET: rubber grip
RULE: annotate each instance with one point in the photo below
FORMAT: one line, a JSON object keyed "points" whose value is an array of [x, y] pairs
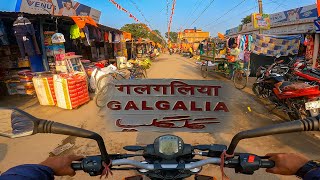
{"points": [[76, 166], [267, 164]]}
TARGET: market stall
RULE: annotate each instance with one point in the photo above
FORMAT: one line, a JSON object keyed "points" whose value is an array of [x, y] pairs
{"points": [[39, 52]]}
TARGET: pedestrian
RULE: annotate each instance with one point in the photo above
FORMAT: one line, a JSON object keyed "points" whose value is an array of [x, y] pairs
{"points": [[190, 52], [234, 54]]}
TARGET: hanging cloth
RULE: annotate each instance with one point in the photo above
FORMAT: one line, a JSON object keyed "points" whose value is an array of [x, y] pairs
{"points": [[81, 21], [106, 36], [86, 32], [242, 45], [74, 32], [113, 37], [250, 40], [25, 35], [238, 40], [110, 37], [309, 42]]}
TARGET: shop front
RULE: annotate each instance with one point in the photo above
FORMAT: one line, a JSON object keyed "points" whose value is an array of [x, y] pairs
{"points": [[295, 23], [38, 51]]}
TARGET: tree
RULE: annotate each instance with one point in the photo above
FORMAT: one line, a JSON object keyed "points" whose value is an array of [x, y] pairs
{"points": [[246, 20], [138, 30], [173, 36]]}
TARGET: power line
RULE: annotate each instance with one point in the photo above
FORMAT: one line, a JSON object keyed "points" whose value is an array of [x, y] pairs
{"points": [[225, 13], [231, 18], [145, 19], [280, 4], [246, 11], [158, 13], [202, 12], [192, 12]]}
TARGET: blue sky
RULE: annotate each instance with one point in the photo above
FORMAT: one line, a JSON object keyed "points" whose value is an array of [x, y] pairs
{"points": [[218, 17]]}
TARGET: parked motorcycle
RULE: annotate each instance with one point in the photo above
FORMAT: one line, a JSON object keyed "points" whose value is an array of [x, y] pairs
{"points": [[168, 157], [301, 72], [298, 100]]}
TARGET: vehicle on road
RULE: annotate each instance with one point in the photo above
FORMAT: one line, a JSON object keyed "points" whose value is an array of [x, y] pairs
{"points": [[168, 157]]}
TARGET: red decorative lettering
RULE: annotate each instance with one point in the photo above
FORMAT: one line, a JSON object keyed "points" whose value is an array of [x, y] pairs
{"points": [[193, 106], [114, 105], [145, 106], [208, 106], [216, 90], [163, 105], [131, 105], [180, 105], [221, 106]]}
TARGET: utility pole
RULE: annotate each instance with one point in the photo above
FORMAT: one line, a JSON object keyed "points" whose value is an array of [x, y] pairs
{"points": [[260, 12]]}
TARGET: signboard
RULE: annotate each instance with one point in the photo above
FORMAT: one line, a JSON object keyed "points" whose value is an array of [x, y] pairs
{"points": [[232, 31], [57, 7], [168, 105], [317, 25], [294, 16], [292, 29], [261, 21], [247, 27]]}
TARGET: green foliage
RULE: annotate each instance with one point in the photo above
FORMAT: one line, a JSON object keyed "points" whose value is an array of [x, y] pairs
{"points": [[173, 36], [137, 30], [246, 20]]}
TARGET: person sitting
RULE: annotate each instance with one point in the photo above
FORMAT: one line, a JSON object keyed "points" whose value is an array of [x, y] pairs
{"points": [[233, 56]]}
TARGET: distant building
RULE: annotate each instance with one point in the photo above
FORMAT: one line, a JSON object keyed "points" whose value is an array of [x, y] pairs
{"points": [[192, 35]]}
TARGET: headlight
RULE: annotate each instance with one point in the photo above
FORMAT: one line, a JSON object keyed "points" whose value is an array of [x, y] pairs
{"points": [[168, 145]]}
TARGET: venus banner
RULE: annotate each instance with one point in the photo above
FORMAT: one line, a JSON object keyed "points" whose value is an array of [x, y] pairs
{"points": [[168, 105], [57, 7]]}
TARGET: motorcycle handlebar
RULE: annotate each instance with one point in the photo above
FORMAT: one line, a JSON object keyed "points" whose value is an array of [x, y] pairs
{"points": [[231, 163], [76, 166], [267, 164]]}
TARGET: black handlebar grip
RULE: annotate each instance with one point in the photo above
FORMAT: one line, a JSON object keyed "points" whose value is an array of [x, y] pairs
{"points": [[267, 164], [76, 166]]}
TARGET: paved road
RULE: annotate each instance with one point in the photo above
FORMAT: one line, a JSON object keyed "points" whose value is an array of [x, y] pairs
{"points": [[36, 148]]}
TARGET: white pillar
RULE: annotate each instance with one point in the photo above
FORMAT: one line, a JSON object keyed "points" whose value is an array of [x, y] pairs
{"points": [[315, 50]]}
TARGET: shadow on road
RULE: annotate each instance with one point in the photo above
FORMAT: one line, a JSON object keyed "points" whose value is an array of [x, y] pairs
{"points": [[3, 151]]}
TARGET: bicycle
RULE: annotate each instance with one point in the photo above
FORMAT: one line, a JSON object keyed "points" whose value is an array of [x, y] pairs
{"points": [[240, 75], [105, 83]]}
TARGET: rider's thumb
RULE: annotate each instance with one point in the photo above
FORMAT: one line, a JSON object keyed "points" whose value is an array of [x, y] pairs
{"points": [[271, 170]]}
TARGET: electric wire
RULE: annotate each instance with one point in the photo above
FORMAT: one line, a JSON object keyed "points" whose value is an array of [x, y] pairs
{"points": [[189, 15], [204, 10], [225, 13]]}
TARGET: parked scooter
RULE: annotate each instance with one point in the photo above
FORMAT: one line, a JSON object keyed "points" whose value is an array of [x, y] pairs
{"points": [[168, 157], [298, 100]]}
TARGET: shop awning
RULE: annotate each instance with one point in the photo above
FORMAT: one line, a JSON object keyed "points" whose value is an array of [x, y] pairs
{"points": [[81, 21]]}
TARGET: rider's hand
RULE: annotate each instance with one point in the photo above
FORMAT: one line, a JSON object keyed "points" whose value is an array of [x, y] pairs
{"points": [[286, 163], [61, 165]]}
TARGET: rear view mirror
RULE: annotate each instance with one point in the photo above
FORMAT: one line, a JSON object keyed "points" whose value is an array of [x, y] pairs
{"points": [[15, 123]]}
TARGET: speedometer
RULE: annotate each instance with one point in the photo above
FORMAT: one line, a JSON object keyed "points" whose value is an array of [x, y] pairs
{"points": [[168, 145]]}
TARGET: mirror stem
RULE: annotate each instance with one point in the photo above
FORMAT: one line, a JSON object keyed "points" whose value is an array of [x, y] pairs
{"points": [[309, 124], [45, 126]]}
